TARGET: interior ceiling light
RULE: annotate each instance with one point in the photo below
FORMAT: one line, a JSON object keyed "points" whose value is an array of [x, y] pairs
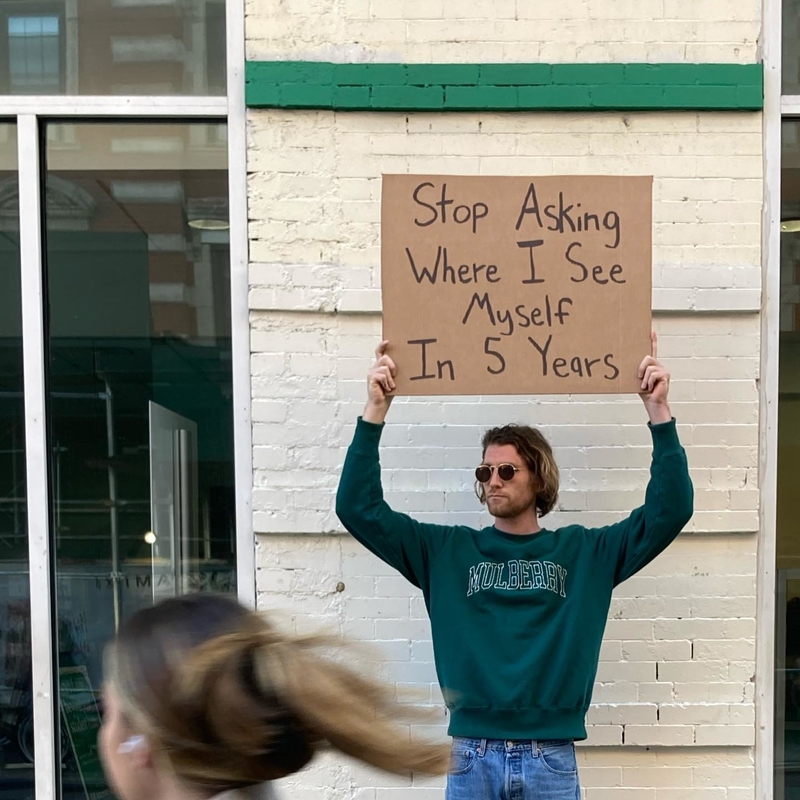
{"points": [[209, 224], [790, 226]]}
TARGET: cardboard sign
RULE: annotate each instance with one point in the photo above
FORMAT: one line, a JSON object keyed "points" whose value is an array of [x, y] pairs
{"points": [[516, 285]]}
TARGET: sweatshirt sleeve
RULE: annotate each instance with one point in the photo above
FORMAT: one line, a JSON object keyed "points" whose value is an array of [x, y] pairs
{"points": [[668, 506], [402, 542]]}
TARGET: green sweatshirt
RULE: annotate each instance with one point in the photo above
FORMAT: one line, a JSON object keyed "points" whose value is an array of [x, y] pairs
{"points": [[517, 620]]}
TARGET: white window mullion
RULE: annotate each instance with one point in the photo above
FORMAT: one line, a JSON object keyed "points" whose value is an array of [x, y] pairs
{"points": [[240, 314], [790, 105], [36, 457]]}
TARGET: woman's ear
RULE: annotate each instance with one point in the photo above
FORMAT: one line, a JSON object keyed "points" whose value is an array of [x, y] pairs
{"points": [[138, 748]]}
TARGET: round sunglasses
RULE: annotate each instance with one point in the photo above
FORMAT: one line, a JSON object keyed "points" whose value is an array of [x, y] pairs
{"points": [[483, 474]]}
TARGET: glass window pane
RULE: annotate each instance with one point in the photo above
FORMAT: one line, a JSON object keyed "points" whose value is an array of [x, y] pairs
{"points": [[112, 47], [33, 46], [140, 383], [16, 710], [787, 684], [791, 46]]}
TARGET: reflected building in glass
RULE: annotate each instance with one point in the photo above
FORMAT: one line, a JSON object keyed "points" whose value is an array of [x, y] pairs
{"points": [[134, 261], [112, 47]]}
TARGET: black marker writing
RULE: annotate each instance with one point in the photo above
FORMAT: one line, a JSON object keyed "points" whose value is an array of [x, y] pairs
{"points": [[440, 365], [533, 243]]}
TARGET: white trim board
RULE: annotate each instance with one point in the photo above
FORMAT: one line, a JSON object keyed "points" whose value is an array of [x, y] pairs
{"points": [[240, 313], [764, 756], [159, 106], [36, 459]]}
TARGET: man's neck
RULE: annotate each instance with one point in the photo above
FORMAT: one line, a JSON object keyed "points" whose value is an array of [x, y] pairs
{"points": [[520, 525]]}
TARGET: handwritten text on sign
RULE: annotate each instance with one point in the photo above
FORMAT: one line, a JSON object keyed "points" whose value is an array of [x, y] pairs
{"points": [[503, 285]]}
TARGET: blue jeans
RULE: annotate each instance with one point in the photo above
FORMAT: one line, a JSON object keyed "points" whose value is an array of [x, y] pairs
{"points": [[495, 769]]}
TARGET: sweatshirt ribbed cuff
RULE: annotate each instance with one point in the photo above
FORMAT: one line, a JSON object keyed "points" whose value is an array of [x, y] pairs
{"points": [[368, 432], [665, 438]]}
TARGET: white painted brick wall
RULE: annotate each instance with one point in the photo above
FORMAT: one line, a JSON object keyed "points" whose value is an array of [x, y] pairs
{"points": [[669, 675], [678, 660], [319, 209], [504, 30]]}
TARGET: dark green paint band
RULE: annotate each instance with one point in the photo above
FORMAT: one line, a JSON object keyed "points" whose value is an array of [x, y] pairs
{"points": [[504, 87]]}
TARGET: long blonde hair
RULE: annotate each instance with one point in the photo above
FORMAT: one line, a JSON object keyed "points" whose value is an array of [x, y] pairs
{"points": [[229, 701]]}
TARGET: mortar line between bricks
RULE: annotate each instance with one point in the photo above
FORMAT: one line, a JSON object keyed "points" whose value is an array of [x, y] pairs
{"points": [[504, 87]]}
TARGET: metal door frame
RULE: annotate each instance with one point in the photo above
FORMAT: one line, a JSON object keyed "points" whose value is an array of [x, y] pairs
{"points": [[30, 114]]}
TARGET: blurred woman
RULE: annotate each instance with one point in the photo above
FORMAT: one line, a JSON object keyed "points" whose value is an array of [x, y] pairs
{"points": [[205, 697]]}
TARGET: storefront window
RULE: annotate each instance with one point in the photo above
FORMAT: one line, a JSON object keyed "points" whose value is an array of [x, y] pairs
{"points": [[787, 688], [791, 46], [16, 702], [112, 47], [139, 385]]}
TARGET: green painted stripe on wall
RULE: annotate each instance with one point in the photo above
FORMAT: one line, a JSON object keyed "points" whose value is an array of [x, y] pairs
{"points": [[504, 87]]}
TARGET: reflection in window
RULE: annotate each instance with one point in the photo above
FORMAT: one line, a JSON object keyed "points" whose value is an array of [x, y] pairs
{"points": [[787, 678], [34, 54], [16, 699], [112, 47], [140, 386], [791, 46]]}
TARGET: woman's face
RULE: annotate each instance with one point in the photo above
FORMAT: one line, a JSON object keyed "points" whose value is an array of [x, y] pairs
{"points": [[126, 758]]}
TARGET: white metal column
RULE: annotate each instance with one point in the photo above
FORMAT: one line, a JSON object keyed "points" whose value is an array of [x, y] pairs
{"points": [[36, 461], [240, 311]]}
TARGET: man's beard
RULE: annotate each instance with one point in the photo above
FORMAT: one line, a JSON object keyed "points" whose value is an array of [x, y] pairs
{"points": [[503, 508]]}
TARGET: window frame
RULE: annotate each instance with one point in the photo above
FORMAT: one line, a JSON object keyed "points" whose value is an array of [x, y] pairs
{"points": [[31, 113], [777, 108]]}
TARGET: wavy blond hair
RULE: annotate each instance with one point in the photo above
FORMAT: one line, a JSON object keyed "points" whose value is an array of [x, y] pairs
{"points": [[228, 701]]}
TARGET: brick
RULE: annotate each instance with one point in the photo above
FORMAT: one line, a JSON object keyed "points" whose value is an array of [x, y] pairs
{"points": [[442, 74], [306, 95], [280, 72], [707, 97], [407, 97], [263, 94], [479, 97], [715, 735], [604, 734], [660, 73], [751, 97], [554, 97], [623, 714], [588, 74], [661, 776], [352, 97], [627, 96], [367, 74], [516, 74], [663, 735]]}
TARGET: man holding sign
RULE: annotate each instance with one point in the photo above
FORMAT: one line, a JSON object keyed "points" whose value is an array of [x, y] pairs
{"points": [[517, 611]]}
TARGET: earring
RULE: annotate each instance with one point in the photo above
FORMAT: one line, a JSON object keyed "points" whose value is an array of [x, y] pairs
{"points": [[132, 744]]}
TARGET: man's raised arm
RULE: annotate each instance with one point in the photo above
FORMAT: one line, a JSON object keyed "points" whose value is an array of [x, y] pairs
{"points": [[402, 542]]}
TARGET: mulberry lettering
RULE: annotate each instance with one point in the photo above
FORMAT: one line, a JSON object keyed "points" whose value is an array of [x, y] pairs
{"points": [[517, 575]]}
